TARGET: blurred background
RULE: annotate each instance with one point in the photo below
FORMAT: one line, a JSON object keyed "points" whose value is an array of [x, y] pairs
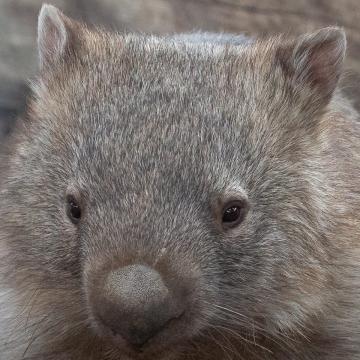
{"points": [[18, 57]]}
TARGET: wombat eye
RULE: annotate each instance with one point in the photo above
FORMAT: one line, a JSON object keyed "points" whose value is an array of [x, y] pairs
{"points": [[233, 214], [73, 209]]}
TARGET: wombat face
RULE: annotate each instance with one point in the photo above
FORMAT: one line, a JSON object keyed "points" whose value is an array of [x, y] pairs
{"points": [[167, 188]]}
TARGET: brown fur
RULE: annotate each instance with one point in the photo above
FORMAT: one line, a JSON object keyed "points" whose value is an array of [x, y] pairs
{"points": [[153, 133]]}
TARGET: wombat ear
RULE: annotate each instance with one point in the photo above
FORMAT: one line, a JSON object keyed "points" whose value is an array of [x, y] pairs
{"points": [[54, 35], [313, 62]]}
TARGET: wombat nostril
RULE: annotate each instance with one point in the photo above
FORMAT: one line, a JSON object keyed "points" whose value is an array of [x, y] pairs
{"points": [[136, 304]]}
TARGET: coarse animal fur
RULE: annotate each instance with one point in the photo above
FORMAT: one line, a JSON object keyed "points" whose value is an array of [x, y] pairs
{"points": [[153, 132]]}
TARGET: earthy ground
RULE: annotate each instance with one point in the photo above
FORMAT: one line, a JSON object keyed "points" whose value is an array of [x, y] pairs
{"points": [[18, 30]]}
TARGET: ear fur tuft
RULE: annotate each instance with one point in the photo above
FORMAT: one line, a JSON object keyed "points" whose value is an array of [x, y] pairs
{"points": [[314, 62]]}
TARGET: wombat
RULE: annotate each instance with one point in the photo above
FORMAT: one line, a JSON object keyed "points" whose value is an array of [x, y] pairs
{"points": [[183, 197]]}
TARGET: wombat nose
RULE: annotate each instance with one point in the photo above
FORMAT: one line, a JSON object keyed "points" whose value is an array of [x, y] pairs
{"points": [[136, 304]]}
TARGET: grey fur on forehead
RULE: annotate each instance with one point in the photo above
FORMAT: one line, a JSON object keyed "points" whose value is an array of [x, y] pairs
{"points": [[159, 86], [194, 44], [214, 38], [192, 113]]}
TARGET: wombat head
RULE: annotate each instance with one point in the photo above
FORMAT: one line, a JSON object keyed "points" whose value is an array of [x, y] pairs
{"points": [[171, 191]]}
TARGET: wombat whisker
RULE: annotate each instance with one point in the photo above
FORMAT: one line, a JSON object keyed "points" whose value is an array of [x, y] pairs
{"points": [[34, 336], [224, 347], [280, 339]]}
